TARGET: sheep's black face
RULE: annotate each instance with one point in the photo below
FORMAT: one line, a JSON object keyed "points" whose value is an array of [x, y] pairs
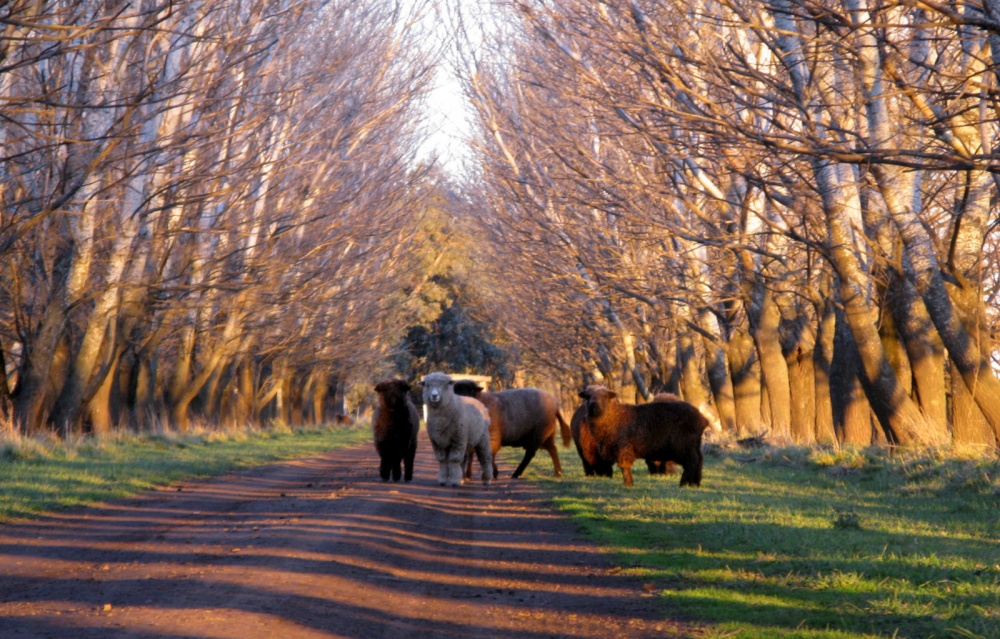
{"points": [[593, 407], [468, 388], [393, 391]]}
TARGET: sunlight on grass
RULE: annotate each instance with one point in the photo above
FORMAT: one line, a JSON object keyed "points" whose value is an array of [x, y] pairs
{"points": [[41, 474], [811, 544]]}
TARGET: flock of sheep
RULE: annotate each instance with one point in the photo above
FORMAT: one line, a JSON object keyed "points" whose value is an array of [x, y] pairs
{"points": [[463, 420]]}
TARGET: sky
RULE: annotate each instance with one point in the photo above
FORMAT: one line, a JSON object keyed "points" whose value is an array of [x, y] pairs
{"points": [[448, 118], [448, 114]]}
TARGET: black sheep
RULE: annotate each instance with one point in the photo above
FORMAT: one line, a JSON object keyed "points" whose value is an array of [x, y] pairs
{"points": [[661, 431], [394, 427]]}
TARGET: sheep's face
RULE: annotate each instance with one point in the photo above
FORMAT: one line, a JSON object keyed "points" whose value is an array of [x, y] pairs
{"points": [[393, 391], [597, 399], [438, 389], [468, 388]]}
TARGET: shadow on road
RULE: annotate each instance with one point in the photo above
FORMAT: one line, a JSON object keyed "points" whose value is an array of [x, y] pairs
{"points": [[318, 548]]}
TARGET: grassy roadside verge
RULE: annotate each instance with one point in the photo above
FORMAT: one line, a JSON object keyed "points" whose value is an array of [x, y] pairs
{"points": [[793, 543], [38, 475]]}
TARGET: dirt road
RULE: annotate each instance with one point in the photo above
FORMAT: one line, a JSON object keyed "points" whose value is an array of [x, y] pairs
{"points": [[318, 548]]}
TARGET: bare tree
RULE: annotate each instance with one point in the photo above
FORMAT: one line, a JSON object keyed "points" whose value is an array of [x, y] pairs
{"points": [[794, 164], [200, 201]]}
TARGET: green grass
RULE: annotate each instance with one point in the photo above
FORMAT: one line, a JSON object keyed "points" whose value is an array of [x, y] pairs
{"points": [[785, 543], [39, 475]]}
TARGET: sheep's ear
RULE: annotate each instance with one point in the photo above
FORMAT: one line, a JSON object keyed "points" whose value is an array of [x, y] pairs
{"points": [[584, 394], [380, 387], [611, 393], [406, 387]]}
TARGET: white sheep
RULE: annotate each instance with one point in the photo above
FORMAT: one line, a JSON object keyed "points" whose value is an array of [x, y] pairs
{"points": [[456, 425]]}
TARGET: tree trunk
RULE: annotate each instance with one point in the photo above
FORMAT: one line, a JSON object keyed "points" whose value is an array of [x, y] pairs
{"points": [[689, 359], [35, 372], [924, 350], [100, 412], [900, 418], [745, 372], [318, 397], [851, 410], [798, 351], [774, 370], [895, 184], [823, 356], [968, 424]]}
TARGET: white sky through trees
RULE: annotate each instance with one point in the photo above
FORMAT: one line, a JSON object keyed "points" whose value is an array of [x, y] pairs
{"points": [[447, 111]]}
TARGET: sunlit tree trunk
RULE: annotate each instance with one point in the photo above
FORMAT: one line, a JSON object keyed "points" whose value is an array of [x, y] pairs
{"points": [[765, 322], [895, 186], [744, 367], [823, 358], [798, 346]]}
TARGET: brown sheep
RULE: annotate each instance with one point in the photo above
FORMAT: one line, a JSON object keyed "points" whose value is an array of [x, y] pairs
{"points": [[589, 451], [661, 467], [521, 417], [659, 431], [395, 424]]}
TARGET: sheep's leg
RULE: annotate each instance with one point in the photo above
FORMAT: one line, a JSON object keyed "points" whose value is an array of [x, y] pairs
{"points": [[485, 462], [494, 449], [455, 474], [384, 467], [626, 457], [454, 461], [408, 465], [397, 470], [550, 445], [442, 459], [692, 468], [529, 454], [588, 470]]}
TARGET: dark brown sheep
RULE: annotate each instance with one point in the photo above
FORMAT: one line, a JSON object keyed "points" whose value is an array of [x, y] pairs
{"points": [[395, 424], [661, 467], [587, 447], [521, 417], [660, 431]]}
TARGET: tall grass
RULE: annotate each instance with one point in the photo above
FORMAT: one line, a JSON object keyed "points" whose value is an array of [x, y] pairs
{"points": [[793, 542], [43, 473]]}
